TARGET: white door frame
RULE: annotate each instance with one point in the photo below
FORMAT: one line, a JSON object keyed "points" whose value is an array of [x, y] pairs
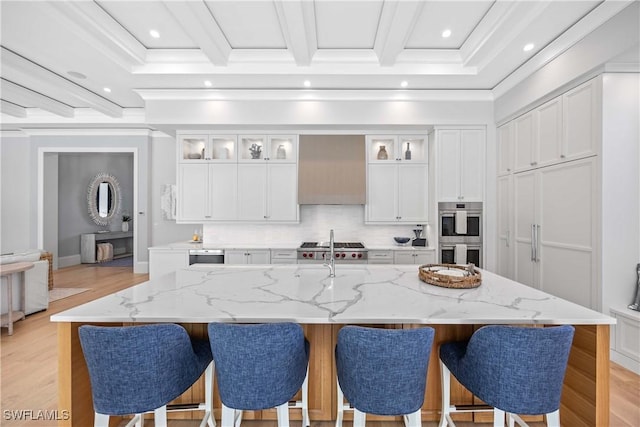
{"points": [[41, 153]]}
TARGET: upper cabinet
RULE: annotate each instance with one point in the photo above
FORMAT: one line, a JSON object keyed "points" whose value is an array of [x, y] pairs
{"points": [[206, 148], [393, 148], [505, 149], [273, 148], [237, 178], [397, 179], [460, 164], [565, 128]]}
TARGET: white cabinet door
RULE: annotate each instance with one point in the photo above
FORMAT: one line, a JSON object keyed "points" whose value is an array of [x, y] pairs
{"points": [[403, 257], [471, 165], [413, 201], [548, 133], [162, 261], [424, 257], [504, 265], [524, 136], [448, 165], [223, 191], [235, 256], [524, 219], [252, 191], [505, 149], [382, 184], [460, 165], [258, 256], [582, 120], [282, 191], [193, 192], [567, 235]]}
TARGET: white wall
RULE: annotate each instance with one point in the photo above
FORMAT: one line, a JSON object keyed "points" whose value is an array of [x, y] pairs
{"points": [[163, 171], [347, 221], [620, 187], [50, 238], [16, 226]]}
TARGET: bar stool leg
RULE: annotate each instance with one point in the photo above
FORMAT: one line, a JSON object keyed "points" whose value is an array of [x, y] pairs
{"points": [[208, 400], [553, 419], [160, 417], [498, 417], [359, 418], [414, 419], [445, 377], [283, 415], [305, 400], [340, 399]]}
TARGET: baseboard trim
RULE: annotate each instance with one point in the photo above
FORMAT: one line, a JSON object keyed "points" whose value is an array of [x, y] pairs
{"points": [[141, 267], [625, 361], [68, 261]]}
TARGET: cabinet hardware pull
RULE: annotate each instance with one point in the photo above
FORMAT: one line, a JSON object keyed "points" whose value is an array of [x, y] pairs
{"points": [[533, 240], [537, 243]]}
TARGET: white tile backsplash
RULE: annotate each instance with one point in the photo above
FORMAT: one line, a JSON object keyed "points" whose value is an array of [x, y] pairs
{"points": [[347, 221]]}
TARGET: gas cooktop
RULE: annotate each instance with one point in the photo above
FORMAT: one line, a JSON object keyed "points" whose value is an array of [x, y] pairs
{"points": [[336, 245]]}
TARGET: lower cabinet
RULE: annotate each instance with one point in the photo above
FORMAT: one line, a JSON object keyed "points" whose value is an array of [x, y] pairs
{"points": [[242, 256], [418, 257], [164, 261], [625, 340], [284, 256], [380, 257]]}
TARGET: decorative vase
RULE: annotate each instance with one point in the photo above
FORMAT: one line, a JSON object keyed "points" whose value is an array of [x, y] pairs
{"points": [[281, 153], [382, 153], [125, 226], [407, 154]]}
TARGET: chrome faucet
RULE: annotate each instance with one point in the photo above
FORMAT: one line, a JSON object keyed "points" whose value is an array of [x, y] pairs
{"points": [[332, 258]]}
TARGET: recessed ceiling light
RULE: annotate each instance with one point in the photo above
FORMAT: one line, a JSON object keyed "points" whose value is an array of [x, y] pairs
{"points": [[307, 83], [404, 83], [76, 74], [527, 47], [446, 33], [155, 34], [207, 83], [106, 89]]}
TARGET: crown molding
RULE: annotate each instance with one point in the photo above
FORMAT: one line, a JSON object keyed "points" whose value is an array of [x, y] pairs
{"points": [[87, 132], [314, 95], [13, 134]]}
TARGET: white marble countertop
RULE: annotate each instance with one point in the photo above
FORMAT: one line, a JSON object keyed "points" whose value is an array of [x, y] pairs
{"points": [[305, 294], [187, 244]]}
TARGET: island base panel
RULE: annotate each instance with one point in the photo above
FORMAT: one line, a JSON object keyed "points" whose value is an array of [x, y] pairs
{"points": [[584, 400]]}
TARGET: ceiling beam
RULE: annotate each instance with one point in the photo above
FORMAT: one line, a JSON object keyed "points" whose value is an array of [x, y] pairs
{"points": [[18, 94], [504, 22], [12, 109], [196, 20], [298, 24], [44, 77], [91, 22], [396, 25]]}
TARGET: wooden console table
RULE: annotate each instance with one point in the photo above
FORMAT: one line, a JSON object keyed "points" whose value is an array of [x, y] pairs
{"points": [[89, 241], [9, 270]]}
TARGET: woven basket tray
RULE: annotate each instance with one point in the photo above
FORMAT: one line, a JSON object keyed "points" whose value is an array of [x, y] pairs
{"points": [[450, 275]]}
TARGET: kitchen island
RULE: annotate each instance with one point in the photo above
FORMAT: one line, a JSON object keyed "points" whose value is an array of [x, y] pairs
{"points": [[381, 295]]}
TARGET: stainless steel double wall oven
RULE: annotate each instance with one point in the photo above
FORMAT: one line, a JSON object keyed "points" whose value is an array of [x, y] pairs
{"points": [[452, 232]]}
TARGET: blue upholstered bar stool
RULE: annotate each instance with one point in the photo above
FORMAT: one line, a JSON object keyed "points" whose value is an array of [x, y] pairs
{"points": [[382, 372], [138, 369], [259, 367], [516, 370]]}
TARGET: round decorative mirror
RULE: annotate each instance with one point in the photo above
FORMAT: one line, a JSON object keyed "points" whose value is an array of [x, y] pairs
{"points": [[103, 198]]}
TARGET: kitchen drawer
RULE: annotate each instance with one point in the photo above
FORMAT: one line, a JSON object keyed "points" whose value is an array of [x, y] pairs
{"points": [[380, 257], [284, 256]]}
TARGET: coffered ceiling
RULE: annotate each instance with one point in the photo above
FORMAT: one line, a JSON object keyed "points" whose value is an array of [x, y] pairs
{"points": [[64, 57]]}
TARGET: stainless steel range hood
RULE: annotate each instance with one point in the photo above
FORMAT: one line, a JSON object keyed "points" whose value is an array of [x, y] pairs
{"points": [[331, 170]]}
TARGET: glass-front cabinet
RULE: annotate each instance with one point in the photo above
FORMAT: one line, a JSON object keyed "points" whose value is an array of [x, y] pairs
{"points": [[206, 148], [274, 148], [394, 148]]}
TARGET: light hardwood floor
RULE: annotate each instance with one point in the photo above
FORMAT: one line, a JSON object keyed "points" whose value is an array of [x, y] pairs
{"points": [[28, 362]]}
